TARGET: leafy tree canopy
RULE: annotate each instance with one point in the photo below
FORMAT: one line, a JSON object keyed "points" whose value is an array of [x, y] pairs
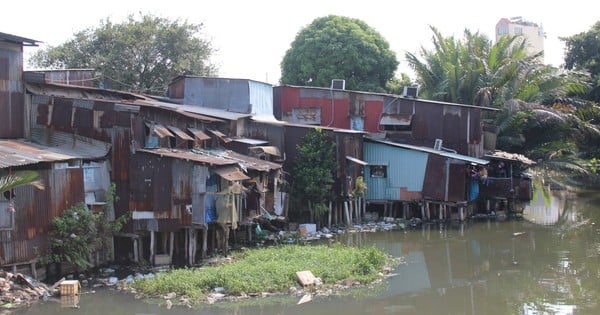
{"points": [[583, 53], [140, 54], [336, 47]]}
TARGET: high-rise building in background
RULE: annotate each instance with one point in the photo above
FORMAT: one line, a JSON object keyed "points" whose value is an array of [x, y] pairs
{"points": [[533, 33]]}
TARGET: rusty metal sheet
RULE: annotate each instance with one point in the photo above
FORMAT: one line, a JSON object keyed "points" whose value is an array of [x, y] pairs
{"points": [[18, 152], [180, 133], [251, 162], [159, 130], [215, 157], [221, 135], [200, 156], [231, 173], [199, 134]]}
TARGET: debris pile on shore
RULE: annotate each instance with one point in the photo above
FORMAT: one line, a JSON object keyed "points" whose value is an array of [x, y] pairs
{"points": [[17, 290]]}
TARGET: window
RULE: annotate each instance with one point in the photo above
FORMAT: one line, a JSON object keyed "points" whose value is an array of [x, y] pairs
{"points": [[6, 214], [378, 171], [518, 31], [502, 31], [396, 122]]}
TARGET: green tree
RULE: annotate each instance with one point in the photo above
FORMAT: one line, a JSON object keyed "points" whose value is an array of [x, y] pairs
{"points": [[396, 85], [77, 233], [583, 53], [140, 55], [336, 47], [314, 171]]}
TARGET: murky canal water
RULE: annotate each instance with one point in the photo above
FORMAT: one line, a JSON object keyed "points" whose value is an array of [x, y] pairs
{"points": [[547, 263]]}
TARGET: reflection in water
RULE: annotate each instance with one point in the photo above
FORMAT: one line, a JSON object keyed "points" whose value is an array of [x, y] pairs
{"points": [[546, 207], [485, 267]]}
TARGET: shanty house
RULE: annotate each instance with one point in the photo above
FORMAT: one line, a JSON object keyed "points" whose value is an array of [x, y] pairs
{"points": [[400, 174], [73, 170]]}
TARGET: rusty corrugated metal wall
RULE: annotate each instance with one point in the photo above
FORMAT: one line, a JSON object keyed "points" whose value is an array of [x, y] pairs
{"points": [[150, 183], [34, 211], [181, 191], [438, 180], [11, 91], [459, 126]]}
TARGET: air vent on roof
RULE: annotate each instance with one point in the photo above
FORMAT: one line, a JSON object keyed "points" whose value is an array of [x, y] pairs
{"points": [[410, 91], [438, 145], [337, 84]]}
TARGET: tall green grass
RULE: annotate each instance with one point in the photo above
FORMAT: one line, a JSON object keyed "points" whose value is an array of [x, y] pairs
{"points": [[271, 269]]}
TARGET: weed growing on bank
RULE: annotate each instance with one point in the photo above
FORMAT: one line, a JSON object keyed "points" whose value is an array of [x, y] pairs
{"points": [[271, 269]]}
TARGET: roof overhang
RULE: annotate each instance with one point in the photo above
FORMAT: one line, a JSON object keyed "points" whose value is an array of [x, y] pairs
{"points": [[357, 161], [231, 173]]}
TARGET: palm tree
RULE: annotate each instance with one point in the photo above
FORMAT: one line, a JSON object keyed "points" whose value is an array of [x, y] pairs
{"points": [[473, 71], [20, 178]]}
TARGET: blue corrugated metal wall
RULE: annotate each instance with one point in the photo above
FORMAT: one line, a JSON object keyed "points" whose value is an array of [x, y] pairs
{"points": [[261, 98], [405, 168]]}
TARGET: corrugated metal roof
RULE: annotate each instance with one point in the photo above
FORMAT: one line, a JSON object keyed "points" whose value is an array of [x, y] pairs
{"points": [[21, 152], [272, 150], [357, 161], [216, 157], [120, 97], [450, 155], [231, 173], [18, 39], [250, 141], [502, 155], [180, 133], [219, 113], [71, 144], [251, 162], [200, 156]]}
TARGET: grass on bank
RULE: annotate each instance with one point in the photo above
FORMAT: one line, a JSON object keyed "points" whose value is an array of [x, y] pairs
{"points": [[271, 269]]}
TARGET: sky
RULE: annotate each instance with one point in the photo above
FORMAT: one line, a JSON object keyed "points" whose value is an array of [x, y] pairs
{"points": [[251, 37]]}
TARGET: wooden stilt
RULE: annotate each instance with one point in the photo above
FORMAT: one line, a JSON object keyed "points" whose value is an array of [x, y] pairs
{"points": [[152, 246], [33, 270], [204, 241], [225, 240], [190, 249], [136, 253], [186, 245], [329, 216], [172, 242], [346, 215]]}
